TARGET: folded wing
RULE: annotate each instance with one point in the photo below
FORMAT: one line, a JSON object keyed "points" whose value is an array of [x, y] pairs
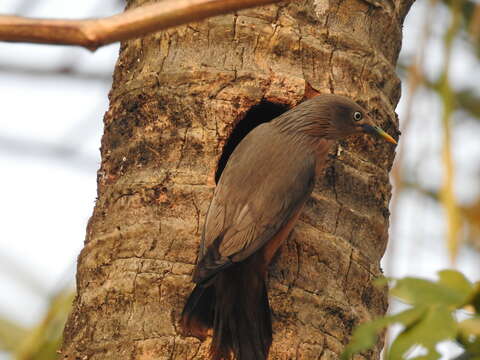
{"points": [[267, 178]]}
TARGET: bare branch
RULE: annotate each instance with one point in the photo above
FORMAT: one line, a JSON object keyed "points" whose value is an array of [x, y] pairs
{"points": [[93, 33], [64, 70], [29, 147]]}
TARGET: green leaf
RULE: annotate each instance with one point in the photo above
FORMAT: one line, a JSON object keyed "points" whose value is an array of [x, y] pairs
{"points": [[11, 334], [473, 348], [456, 281], [432, 355], [470, 326], [475, 298], [382, 281], [467, 100], [424, 292], [42, 342], [365, 335], [408, 317], [428, 322], [436, 324]]}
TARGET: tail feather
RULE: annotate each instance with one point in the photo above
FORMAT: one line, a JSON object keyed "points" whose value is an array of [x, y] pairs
{"points": [[235, 304], [242, 323], [197, 315]]}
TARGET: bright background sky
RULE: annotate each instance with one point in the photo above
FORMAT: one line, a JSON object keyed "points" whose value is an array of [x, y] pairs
{"points": [[50, 130]]}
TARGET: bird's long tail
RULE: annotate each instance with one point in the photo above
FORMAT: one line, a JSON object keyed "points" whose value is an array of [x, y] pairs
{"points": [[198, 313], [235, 305]]}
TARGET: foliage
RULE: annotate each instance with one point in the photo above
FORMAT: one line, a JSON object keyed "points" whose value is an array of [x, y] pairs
{"points": [[458, 101], [43, 340], [430, 319]]}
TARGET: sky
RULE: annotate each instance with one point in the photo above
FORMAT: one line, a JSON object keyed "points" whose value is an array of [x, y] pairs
{"points": [[50, 130]]}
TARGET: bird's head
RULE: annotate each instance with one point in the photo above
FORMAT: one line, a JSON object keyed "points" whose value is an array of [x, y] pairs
{"points": [[331, 117], [345, 117]]}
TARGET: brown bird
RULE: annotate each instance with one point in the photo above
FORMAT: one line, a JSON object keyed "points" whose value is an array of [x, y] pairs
{"points": [[257, 201]]}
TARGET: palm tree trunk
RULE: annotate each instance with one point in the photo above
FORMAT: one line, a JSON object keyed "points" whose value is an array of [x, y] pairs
{"points": [[177, 97]]}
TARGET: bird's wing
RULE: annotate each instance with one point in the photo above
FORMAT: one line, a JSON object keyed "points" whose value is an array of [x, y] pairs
{"points": [[266, 180]]}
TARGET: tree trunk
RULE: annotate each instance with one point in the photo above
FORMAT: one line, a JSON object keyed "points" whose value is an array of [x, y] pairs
{"points": [[176, 99]]}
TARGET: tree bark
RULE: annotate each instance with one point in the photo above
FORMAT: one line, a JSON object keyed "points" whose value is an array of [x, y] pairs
{"points": [[177, 96]]}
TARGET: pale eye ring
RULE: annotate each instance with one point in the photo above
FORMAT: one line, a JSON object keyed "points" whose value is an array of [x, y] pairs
{"points": [[357, 115]]}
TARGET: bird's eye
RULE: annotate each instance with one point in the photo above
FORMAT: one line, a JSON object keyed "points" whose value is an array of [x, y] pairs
{"points": [[357, 115]]}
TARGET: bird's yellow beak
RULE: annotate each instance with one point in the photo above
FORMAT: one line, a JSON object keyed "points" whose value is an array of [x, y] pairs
{"points": [[372, 129], [384, 135]]}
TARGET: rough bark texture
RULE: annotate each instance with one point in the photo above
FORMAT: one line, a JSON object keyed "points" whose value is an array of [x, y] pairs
{"points": [[176, 98]]}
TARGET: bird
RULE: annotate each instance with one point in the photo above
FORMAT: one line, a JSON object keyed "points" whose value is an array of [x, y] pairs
{"points": [[256, 203]]}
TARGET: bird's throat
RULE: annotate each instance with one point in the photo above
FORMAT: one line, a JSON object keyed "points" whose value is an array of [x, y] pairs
{"points": [[322, 148]]}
